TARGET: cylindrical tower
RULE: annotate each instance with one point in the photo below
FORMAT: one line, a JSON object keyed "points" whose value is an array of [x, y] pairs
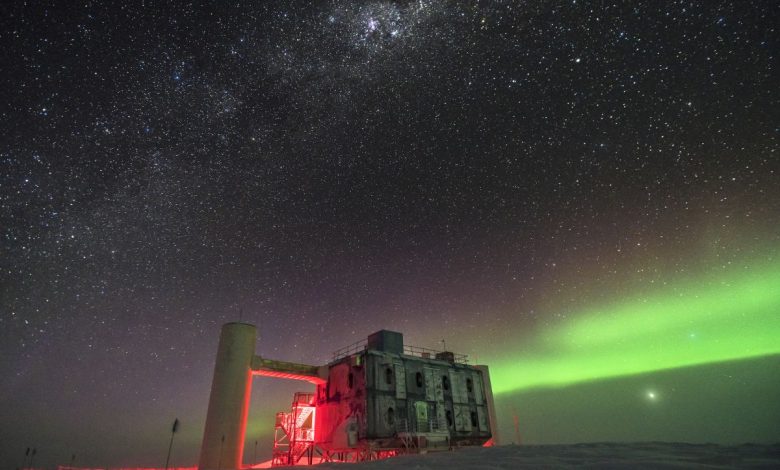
{"points": [[223, 438]]}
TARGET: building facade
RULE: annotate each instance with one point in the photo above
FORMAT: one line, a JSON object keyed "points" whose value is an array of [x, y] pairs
{"points": [[386, 394]]}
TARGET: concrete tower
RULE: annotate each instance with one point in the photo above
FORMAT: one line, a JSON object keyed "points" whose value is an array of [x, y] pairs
{"points": [[223, 438]]}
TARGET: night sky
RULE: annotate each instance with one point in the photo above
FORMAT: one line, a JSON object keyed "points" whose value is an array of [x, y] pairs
{"points": [[583, 195]]}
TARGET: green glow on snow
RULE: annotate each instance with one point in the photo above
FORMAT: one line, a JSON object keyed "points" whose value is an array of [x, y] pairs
{"points": [[698, 323]]}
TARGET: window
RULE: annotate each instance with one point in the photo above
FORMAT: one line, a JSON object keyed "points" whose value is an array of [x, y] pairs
{"points": [[351, 380], [389, 376], [390, 416], [449, 418], [473, 419], [470, 385], [419, 379], [445, 382]]}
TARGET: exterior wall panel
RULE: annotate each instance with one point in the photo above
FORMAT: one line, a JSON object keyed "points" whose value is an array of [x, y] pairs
{"points": [[479, 392], [483, 419], [431, 379], [400, 380], [458, 383]]}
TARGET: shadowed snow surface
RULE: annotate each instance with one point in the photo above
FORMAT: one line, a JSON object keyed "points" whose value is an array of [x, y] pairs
{"points": [[599, 455]]}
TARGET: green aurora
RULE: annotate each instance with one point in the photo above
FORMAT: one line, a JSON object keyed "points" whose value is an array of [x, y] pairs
{"points": [[734, 316]]}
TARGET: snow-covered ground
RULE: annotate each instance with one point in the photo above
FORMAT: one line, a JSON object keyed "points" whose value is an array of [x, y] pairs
{"points": [[599, 455]]}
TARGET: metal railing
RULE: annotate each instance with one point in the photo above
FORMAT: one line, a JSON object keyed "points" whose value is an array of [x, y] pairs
{"points": [[427, 353], [421, 425], [353, 348], [417, 351]]}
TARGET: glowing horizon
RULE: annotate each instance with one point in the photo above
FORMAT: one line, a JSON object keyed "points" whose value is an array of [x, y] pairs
{"points": [[698, 322]]}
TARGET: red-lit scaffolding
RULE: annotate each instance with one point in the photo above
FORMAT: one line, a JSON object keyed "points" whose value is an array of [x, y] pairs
{"points": [[294, 432]]}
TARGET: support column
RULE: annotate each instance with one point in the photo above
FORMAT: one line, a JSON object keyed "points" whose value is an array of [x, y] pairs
{"points": [[491, 404], [223, 438]]}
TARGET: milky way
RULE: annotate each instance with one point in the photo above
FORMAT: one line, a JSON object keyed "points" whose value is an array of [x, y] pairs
{"points": [[484, 173]]}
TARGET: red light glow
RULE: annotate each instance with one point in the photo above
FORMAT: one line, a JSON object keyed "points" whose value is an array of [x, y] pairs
{"points": [[292, 376]]}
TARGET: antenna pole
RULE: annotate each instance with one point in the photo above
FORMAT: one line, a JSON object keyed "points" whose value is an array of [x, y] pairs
{"points": [[170, 446]]}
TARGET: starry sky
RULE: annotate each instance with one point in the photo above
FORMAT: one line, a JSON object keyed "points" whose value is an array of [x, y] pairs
{"points": [[583, 195]]}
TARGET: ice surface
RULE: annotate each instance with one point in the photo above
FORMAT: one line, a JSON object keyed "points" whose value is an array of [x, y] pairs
{"points": [[598, 455]]}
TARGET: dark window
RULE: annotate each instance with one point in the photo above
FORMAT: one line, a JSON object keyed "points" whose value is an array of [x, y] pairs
{"points": [[449, 418], [351, 380], [474, 419], [470, 385], [389, 375], [445, 382], [390, 416], [419, 379]]}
